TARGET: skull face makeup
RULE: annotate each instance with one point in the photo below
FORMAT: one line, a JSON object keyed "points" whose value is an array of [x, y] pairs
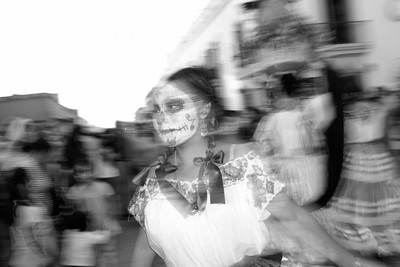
{"points": [[175, 115]]}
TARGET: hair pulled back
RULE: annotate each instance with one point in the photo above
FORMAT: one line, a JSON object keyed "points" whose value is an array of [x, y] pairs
{"points": [[290, 84]]}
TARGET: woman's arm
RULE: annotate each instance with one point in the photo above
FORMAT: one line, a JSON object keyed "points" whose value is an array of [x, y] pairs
{"points": [[306, 228], [262, 136], [142, 255], [325, 113]]}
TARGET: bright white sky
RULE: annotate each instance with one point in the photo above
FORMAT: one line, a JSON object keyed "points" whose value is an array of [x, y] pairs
{"points": [[100, 57]]}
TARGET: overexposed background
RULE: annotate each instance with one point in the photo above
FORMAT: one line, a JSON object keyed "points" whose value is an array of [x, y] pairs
{"points": [[100, 57]]}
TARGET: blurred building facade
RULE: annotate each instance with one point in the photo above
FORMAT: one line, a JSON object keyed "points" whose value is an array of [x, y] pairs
{"points": [[38, 107], [49, 118], [361, 41]]}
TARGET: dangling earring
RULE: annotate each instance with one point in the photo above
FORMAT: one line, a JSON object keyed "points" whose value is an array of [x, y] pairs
{"points": [[211, 142], [203, 128], [204, 119]]}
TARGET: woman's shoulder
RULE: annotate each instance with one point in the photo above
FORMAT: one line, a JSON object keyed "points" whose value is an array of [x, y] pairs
{"points": [[241, 150], [233, 151], [150, 184]]}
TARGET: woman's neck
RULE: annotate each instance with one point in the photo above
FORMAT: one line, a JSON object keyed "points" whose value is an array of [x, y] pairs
{"points": [[186, 152]]}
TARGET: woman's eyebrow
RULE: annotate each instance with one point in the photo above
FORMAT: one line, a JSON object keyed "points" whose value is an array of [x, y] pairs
{"points": [[173, 100]]}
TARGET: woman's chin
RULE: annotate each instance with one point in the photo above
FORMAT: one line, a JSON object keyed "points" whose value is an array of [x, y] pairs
{"points": [[170, 145]]}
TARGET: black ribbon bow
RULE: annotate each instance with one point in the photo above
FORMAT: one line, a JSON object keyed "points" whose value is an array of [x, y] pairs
{"points": [[141, 177], [210, 171], [161, 172]]}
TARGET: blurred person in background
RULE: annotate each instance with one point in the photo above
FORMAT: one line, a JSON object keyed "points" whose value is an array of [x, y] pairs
{"points": [[106, 169], [334, 133], [145, 147], [364, 213], [30, 198], [228, 127], [94, 199], [250, 117], [206, 212], [74, 150], [287, 134], [78, 244], [291, 137], [29, 159], [318, 106], [392, 94]]}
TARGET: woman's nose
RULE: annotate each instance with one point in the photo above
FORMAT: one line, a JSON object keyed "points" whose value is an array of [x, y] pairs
{"points": [[160, 118]]}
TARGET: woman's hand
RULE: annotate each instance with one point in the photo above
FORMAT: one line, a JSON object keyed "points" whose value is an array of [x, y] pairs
{"points": [[298, 222]]}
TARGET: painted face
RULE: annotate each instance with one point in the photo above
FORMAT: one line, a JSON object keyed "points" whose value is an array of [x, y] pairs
{"points": [[175, 115]]}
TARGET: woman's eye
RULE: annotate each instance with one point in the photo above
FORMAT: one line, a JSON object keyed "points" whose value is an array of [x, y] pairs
{"points": [[156, 109], [174, 105]]}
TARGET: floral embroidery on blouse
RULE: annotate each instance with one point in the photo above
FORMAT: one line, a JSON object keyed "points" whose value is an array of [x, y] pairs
{"points": [[261, 181], [233, 171], [263, 184], [138, 203], [187, 189], [151, 189]]}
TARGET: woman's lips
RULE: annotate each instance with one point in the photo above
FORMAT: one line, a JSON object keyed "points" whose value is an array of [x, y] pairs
{"points": [[167, 131]]}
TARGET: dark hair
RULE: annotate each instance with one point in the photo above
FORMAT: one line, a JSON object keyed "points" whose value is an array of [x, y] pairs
{"points": [[352, 92], [230, 113], [40, 145], [198, 80], [107, 139], [290, 84], [77, 220], [74, 150]]}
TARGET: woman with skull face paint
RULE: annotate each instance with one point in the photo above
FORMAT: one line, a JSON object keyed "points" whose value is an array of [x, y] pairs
{"points": [[198, 211]]}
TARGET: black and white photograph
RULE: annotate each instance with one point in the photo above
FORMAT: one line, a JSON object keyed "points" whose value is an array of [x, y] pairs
{"points": [[202, 133]]}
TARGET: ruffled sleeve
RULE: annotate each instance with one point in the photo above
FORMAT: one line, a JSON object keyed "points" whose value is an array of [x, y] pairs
{"points": [[259, 180], [140, 199], [263, 183], [137, 204]]}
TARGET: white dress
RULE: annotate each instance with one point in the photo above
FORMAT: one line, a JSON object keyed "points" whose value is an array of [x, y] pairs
{"points": [[93, 198], [288, 135], [364, 213], [222, 234], [320, 111]]}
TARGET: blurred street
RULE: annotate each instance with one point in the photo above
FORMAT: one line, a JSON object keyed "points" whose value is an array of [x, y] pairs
{"points": [[127, 240]]}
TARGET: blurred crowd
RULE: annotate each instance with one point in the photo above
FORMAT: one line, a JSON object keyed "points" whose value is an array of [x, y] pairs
{"points": [[63, 190], [62, 193]]}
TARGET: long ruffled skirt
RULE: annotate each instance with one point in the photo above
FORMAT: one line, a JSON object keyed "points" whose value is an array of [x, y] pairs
{"points": [[364, 213]]}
